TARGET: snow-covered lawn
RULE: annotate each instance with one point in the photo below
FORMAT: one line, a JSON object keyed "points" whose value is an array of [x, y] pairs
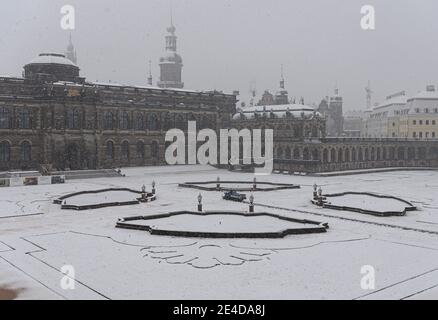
{"points": [[366, 202], [101, 198], [113, 263], [222, 223]]}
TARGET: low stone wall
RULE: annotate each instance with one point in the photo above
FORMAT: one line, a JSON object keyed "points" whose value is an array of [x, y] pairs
{"points": [[149, 197], [126, 223], [410, 206], [201, 186]]}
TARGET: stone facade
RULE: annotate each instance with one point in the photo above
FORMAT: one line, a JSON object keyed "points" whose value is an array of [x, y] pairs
{"points": [[339, 154], [88, 125]]}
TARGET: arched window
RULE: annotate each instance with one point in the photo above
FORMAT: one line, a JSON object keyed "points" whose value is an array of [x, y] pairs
{"points": [[280, 153], [24, 120], [168, 123], [340, 155], [124, 121], [296, 153], [139, 122], [347, 155], [155, 149], [140, 150], [333, 155], [288, 153], [306, 154], [26, 149], [153, 124], [5, 151], [108, 122], [73, 119], [180, 122], [360, 154], [125, 150], [5, 121], [110, 150], [325, 156], [315, 154]]}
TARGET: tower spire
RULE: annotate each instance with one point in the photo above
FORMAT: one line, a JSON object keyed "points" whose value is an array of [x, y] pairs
{"points": [[71, 52], [150, 73], [282, 78]]}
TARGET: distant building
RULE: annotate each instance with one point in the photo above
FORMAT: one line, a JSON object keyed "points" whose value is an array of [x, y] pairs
{"points": [[171, 63], [353, 123], [400, 116], [332, 109], [384, 120], [281, 96]]}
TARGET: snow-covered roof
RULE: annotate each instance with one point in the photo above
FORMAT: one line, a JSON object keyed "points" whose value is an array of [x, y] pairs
{"points": [[425, 95], [280, 111], [397, 100], [52, 58]]}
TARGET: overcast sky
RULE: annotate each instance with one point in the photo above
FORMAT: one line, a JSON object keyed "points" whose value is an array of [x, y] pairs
{"points": [[226, 44]]}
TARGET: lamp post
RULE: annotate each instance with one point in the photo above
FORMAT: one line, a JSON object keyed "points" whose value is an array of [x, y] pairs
{"points": [[251, 203], [218, 183], [254, 184], [199, 203], [320, 200], [143, 192], [153, 187]]}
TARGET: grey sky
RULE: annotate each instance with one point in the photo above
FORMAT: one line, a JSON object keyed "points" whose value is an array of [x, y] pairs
{"points": [[226, 44]]}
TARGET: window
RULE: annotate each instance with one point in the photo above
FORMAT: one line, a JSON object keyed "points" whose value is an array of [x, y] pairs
{"points": [[417, 110], [25, 151], [414, 122], [433, 122], [125, 150], [427, 122], [140, 150], [5, 151], [420, 134], [426, 110], [139, 122], [24, 119], [108, 123], [153, 122], [433, 134], [4, 118], [421, 122], [73, 119], [427, 135], [435, 110], [110, 150], [124, 121], [414, 134], [155, 150]]}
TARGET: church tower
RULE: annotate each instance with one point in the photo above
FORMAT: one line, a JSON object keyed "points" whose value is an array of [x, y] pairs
{"points": [[281, 97], [171, 62], [71, 52]]}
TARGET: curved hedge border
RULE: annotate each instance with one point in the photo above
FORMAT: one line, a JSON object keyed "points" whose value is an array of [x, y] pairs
{"points": [[276, 186], [149, 197], [410, 206], [124, 223]]}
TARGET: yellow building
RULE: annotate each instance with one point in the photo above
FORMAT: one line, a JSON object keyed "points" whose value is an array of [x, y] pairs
{"points": [[401, 117]]}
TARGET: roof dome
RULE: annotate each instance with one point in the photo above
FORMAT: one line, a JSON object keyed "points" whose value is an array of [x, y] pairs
{"points": [[171, 57], [51, 67], [52, 58]]}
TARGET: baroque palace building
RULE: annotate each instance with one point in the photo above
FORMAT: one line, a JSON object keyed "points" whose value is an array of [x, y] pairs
{"points": [[302, 143], [53, 116]]}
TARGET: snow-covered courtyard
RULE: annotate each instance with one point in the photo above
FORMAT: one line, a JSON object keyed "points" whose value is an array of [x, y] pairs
{"points": [[37, 239]]}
